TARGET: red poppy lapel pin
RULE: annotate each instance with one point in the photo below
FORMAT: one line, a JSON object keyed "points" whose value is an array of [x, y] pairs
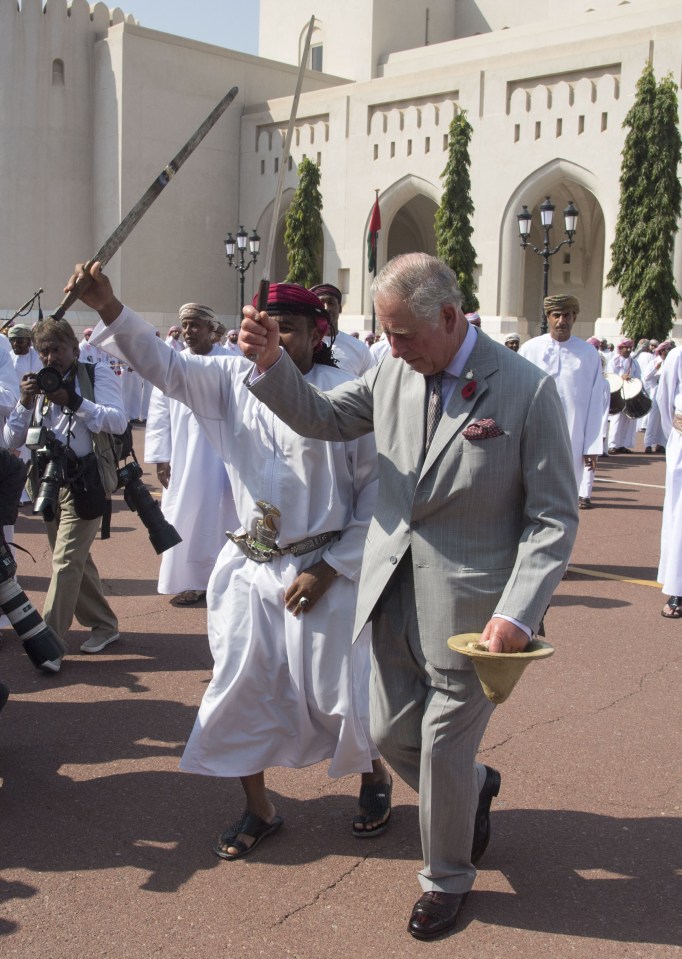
{"points": [[469, 388]]}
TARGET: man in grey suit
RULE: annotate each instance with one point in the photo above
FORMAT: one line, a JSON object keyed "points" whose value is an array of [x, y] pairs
{"points": [[474, 526]]}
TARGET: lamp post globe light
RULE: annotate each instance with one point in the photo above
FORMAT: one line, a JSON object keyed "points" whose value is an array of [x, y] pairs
{"points": [[547, 208], [239, 244]]}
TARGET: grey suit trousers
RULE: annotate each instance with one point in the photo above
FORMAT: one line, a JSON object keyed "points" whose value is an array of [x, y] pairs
{"points": [[428, 723]]}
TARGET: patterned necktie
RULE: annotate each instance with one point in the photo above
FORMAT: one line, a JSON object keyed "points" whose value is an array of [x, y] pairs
{"points": [[435, 407]]}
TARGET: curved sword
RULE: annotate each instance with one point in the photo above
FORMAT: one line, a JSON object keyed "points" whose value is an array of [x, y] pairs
{"points": [[127, 225], [264, 285]]}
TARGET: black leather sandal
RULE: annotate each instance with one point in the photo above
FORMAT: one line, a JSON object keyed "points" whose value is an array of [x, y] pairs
{"points": [[249, 825], [375, 799], [673, 604]]}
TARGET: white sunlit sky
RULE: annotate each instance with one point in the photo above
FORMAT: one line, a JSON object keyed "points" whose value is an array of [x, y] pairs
{"points": [[226, 23]]}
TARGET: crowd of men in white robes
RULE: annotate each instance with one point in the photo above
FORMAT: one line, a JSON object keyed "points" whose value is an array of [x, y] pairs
{"points": [[211, 441], [175, 444], [572, 362]]}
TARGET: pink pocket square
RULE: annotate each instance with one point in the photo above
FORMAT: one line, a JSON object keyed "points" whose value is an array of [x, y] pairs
{"points": [[482, 430]]}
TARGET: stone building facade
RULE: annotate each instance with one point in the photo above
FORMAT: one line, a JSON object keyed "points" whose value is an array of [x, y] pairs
{"points": [[545, 89]]}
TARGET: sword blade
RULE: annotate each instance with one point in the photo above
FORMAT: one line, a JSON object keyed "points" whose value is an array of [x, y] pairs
{"points": [[128, 224], [264, 284]]}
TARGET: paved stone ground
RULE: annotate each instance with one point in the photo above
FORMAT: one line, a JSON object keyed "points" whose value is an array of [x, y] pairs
{"points": [[105, 848]]}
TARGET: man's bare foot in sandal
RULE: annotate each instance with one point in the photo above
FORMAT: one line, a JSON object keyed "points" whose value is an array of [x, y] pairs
{"points": [[243, 836], [374, 802], [673, 608]]}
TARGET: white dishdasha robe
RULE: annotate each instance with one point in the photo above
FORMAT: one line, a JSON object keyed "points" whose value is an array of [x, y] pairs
{"points": [[669, 402], [576, 369], [198, 501], [621, 428], [286, 690]]}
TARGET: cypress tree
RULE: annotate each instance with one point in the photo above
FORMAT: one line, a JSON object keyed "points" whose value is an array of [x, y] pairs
{"points": [[303, 228], [642, 252], [453, 217]]}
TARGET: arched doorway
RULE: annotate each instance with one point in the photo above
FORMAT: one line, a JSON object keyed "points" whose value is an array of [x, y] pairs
{"points": [[412, 228], [576, 269], [408, 208]]}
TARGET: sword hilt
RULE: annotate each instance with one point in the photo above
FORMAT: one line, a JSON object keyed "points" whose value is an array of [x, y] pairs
{"points": [[82, 283], [261, 306], [263, 290]]}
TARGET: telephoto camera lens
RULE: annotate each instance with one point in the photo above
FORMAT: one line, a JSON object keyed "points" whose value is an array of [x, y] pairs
{"points": [[40, 641], [48, 492], [162, 535]]}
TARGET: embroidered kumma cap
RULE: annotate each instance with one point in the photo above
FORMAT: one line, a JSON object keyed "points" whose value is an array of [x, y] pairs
{"points": [[561, 301], [19, 330], [198, 312]]}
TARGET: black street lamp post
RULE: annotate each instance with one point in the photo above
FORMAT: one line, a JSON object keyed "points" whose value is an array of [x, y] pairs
{"points": [[546, 217], [242, 265]]}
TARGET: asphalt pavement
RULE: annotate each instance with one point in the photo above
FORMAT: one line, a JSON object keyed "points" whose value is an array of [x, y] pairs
{"points": [[105, 848]]}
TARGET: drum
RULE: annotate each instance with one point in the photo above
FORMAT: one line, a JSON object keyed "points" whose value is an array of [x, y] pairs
{"points": [[617, 403], [637, 400]]}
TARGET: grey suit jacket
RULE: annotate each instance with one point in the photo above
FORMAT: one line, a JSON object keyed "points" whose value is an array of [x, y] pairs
{"points": [[490, 522]]}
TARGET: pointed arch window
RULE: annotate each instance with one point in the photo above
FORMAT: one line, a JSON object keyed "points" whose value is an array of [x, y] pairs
{"points": [[57, 73], [316, 57]]}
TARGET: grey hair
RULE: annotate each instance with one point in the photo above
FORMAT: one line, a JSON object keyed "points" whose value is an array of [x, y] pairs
{"points": [[59, 329], [423, 283]]}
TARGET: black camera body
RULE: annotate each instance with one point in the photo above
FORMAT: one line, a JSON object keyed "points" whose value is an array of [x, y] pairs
{"points": [[58, 465], [52, 460], [162, 535]]}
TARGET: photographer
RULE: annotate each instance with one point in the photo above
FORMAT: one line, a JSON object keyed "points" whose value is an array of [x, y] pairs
{"points": [[62, 408]]}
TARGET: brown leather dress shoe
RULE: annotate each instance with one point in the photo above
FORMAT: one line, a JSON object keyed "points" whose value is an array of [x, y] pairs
{"points": [[435, 913]]}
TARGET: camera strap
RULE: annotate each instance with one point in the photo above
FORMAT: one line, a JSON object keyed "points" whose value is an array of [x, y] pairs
{"points": [[32, 478], [102, 445]]}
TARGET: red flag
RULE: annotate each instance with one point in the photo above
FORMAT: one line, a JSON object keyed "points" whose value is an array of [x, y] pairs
{"points": [[372, 236]]}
